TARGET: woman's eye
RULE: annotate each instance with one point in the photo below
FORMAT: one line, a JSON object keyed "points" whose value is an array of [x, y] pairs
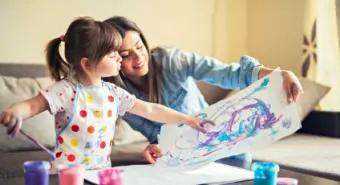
{"points": [[140, 47]]}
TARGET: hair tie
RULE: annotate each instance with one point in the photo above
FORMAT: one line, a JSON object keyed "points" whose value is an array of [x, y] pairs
{"points": [[62, 37]]}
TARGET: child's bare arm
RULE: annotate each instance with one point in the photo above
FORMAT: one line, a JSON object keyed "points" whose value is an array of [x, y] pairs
{"points": [[23, 110], [162, 114]]}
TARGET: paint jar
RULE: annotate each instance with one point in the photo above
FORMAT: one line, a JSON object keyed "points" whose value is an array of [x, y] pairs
{"points": [[265, 173], [36, 172], [286, 181], [70, 174], [111, 176]]}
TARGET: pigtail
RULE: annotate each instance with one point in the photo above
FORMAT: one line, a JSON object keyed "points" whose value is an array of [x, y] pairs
{"points": [[57, 66]]}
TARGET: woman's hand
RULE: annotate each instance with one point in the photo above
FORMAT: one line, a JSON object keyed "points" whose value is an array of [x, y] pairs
{"points": [[151, 153], [291, 83], [292, 86]]}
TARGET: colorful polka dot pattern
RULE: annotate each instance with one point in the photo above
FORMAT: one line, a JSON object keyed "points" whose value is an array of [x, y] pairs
{"points": [[83, 113], [74, 142], [89, 99], [98, 114], [109, 113], [71, 157], [90, 129], [94, 111]]}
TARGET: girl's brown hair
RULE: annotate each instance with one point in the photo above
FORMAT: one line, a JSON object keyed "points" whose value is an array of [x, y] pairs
{"points": [[85, 37], [123, 25]]}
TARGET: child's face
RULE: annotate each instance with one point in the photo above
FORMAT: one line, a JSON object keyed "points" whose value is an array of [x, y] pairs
{"points": [[109, 65]]}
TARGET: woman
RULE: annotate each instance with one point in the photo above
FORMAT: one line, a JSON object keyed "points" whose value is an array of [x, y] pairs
{"points": [[167, 76]]}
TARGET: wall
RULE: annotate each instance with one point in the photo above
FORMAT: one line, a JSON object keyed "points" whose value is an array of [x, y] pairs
{"points": [[270, 30], [230, 29], [275, 32], [26, 28], [338, 15]]}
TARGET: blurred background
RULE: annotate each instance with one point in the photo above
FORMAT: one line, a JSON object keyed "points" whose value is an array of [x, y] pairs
{"points": [[299, 35]]}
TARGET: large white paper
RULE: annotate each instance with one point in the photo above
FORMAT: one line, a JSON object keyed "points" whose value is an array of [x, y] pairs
{"points": [[255, 117], [149, 175]]}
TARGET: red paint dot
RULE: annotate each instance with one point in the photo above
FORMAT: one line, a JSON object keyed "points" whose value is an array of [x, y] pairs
{"points": [[127, 97], [60, 140], [83, 113], [72, 99], [102, 145], [46, 90], [58, 154], [111, 99], [71, 157], [61, 108], [60, 94], [74, 92], [75, 128]]}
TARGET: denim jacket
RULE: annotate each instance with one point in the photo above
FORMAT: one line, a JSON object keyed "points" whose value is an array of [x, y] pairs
{"points": [[179, 71]]}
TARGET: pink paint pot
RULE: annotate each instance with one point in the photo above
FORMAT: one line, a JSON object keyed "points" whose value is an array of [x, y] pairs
{"points": [[70, 174], [286, 181], [111, 176]]}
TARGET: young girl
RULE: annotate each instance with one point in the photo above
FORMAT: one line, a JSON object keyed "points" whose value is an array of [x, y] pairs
{"points": [[85, 107]]}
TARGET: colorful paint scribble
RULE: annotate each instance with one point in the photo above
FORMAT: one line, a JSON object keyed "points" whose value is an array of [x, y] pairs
{"points": [[229, 124]]}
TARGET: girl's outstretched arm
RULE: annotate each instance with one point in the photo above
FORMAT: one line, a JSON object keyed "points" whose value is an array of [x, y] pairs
{"points": [[15, 114], [162, 114]]}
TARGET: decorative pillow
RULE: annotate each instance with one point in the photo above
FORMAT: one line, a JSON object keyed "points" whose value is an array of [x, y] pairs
{"points": [[40, 127], [313, 93], [124, 134]]}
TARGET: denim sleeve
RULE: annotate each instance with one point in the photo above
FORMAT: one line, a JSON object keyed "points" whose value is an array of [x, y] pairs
{"points": [[228, 76]]}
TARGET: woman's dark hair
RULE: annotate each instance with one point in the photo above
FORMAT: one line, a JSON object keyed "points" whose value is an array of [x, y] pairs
{"points": [[123, 25]]}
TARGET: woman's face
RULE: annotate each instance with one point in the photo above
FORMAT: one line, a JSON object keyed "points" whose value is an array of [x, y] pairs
{"points": [[134, 54]]}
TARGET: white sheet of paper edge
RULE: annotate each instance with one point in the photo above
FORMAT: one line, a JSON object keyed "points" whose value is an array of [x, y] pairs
{"points": [[148, 175]]}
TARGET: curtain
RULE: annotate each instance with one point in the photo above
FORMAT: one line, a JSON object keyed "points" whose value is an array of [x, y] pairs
{"points": [[321, 59]]}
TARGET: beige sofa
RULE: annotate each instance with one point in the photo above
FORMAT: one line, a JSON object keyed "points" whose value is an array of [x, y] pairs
{"points": [[20, 81]]}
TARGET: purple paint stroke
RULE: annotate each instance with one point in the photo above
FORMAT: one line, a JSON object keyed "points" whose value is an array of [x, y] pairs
{"points": [[38, 144]]}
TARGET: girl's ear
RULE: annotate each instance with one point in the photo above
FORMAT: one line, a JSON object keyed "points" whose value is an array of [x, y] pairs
{"points": [[85, 65]]}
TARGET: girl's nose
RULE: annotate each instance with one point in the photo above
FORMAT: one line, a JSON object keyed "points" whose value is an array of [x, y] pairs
{"points": [[119, 59]]}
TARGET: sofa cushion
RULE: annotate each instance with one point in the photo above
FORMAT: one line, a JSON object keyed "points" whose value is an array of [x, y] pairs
{"points": [[313, 93], [305, 153], [40, 127]]}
